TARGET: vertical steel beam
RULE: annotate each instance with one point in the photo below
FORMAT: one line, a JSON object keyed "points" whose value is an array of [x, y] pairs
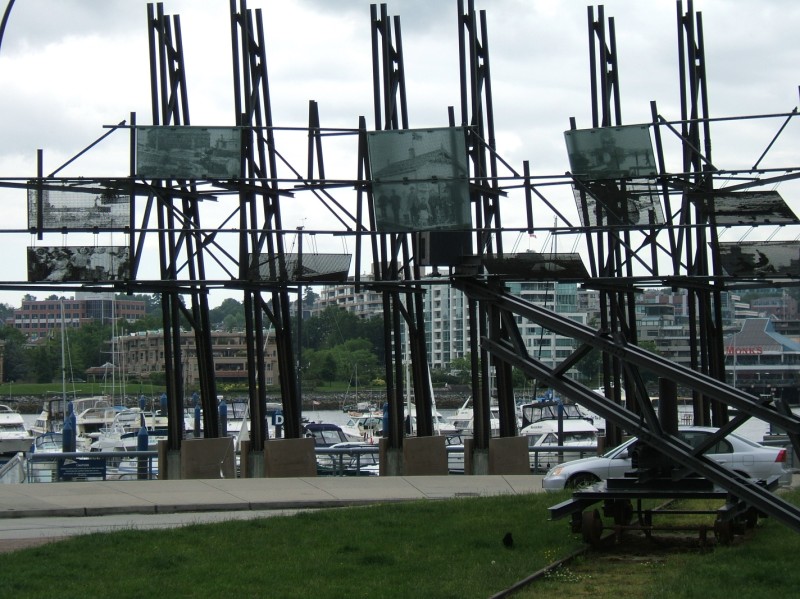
{"points": [[705, 306], [169, 100], [253, 107], [404, 322]]}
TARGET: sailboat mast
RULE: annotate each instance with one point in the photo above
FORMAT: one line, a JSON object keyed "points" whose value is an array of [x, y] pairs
{"points": [[63, 359]]}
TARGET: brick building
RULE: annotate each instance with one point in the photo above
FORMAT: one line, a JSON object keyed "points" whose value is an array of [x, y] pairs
{"points": [[40, 318]]}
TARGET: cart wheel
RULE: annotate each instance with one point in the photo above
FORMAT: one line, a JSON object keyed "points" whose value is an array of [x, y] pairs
{"points": [[751, 517], [591, 527], [723, 529], [623, 512]]}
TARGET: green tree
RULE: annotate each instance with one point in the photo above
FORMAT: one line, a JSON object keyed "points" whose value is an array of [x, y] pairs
{"points": [[151, 322], [357, 355], [461, 369], [15, 366], [44, 362], [590, 365], [89, 345], [330, 328], [6, 312], [229, 315]]}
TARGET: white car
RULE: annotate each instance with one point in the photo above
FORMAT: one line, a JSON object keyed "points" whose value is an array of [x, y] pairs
{"points": [[736, 453]]}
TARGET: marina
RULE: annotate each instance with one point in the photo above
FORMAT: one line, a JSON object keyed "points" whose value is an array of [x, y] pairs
{"points": [[337, 456]]}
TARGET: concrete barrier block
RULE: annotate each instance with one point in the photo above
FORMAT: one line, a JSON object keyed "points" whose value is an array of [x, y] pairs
{"points": [[208, 458], [424, 456], [290, 457], [509, 455]]}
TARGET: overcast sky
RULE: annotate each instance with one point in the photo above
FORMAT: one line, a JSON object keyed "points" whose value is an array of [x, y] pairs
{"points": [[69, 67]]}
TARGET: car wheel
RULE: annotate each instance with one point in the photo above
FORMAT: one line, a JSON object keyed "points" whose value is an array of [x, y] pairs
{"points": [[582, 480]]}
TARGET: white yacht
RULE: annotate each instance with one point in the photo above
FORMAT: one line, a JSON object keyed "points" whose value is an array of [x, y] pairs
{"points": [[541, 422], [14, 437]]}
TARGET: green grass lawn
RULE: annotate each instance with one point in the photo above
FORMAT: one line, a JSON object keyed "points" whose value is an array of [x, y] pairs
{"points": [[425, 549]]}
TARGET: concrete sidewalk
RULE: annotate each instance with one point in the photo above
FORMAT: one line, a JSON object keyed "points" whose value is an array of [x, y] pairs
{"points": [[34, 513], [170, 496]]}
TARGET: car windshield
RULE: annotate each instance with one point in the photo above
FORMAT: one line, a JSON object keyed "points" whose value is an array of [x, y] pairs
{"points": [[618, 449]]}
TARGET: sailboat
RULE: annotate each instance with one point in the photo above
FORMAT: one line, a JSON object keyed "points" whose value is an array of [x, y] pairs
{"points": [[91, 413]]}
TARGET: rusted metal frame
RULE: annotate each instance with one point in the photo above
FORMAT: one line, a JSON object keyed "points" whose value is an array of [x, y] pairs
{"points": [[672, 447], [257, 430], [477, 112], [480, 432], [635, 355], [486, 87], [318, 190], [132, 217], [200, 308], [394, 358], [638, 400], [603, 67], [709, 312], [364, 192], [584, 207], [290, 385], [486, 208], [194, 239], [314, 142], [415, 319], [389, 96], [503, 373], [774, 139], [258, 115], [612, 233], [716, 353], [240, 46], [170, 303], [170, 315], [423, 394]]}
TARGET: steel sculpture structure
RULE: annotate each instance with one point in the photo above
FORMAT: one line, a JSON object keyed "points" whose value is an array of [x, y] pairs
{"points": [[643, 225]]}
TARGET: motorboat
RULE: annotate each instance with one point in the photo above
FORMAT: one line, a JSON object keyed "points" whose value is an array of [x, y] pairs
{"points": [[324, 434], [14, 437], [363, 427], [48, 443], [51, 418], [350, 458], [91, 415], [556, 424], [462, 421], [123, 434]]}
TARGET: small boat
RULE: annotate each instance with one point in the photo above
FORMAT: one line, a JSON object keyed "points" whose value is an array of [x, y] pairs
{"points": [[39, 471], [364, 427], [324, 434], [14, 437], [48, 443], [123, 434], [349, 459]]}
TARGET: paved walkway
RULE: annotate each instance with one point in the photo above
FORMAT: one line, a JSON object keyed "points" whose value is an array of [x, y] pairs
{"points": [[32, 514]]}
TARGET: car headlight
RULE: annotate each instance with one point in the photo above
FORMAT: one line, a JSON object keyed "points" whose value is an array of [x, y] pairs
{"points": [[555, 471]]}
